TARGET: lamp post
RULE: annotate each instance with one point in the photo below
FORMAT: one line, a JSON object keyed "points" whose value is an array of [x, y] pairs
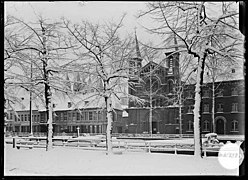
{"points": [[78, 131], [30, 102]]}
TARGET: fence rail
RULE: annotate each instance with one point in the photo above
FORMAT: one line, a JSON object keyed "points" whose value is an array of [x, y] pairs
{"points": [[123, 145]]}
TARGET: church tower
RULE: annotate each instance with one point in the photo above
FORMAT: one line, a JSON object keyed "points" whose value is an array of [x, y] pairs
{"points": [[135, 63]]}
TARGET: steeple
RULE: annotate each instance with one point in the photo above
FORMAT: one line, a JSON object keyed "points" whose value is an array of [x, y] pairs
{"points": [[138, 54], [77, 85], [68, 83], [175, 42]]}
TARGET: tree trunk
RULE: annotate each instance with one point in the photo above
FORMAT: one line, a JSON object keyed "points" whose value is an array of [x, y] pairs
{"points": [[180, 114], [109, 125], [197, 108], [48, 94], [49, 144], [150, 102], [5, 121], [213, 106]]}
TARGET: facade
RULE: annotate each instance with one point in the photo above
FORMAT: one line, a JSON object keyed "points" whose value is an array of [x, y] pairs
{"points": [[83, 111], [158, 84], [155, 86], [229, 102], [89, 120]]}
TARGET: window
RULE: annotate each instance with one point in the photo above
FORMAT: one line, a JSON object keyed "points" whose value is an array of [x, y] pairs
{"points": [[190, 125], [220, 107], [69, 116], [74, 116], [25, 117], [90, 116], [78, 116], [61, 116], [65, 116], [190, 95], [38, 118], [234, 92], [234, 125], [242, 106], [82, 116], [220, 93], [42, 117], [10, 116], [205, 93], [99, 115], [86, 116], [206, 125], [206, 108], [233, 70], [234, 107], [190, 109]]}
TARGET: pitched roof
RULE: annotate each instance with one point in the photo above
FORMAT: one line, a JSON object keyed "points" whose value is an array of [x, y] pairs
{"points": [[78, 101]]}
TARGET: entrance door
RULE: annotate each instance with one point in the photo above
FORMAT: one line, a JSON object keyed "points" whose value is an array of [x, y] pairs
{"points": [[220, 126], [154, 127]]}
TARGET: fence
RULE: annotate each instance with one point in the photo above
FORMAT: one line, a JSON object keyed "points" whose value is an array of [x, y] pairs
{"points": [[43, 134], [121, 145]]}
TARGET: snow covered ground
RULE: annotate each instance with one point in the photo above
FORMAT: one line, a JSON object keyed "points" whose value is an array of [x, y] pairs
{"points": [[75, 161]]}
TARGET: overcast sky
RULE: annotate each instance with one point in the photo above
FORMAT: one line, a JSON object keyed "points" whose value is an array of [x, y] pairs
{"points": [[94, 11]]}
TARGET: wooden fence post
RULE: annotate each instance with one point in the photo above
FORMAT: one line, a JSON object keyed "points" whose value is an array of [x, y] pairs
{"points": [[175, 148], [14, 142], [125, 146]]}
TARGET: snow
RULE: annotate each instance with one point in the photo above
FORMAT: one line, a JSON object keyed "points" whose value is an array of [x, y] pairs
{"points": [[75, 161]]}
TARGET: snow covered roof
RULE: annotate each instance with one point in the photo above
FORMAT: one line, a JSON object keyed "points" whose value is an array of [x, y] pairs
{"points": [[64, 102]]}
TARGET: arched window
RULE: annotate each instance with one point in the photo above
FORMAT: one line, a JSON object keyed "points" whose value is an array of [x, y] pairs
{"points": [[190, 125], [170, 86], [206, 125], [206, 108], [235, 125], [234, 91]]}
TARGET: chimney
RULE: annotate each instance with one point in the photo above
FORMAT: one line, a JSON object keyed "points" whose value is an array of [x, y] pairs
{"points": [[69, 104]]}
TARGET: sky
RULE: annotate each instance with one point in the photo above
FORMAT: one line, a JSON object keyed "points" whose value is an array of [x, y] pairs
{"points": [[93, 11]]}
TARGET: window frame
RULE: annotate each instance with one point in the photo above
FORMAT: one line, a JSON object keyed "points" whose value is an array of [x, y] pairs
{"points": [[234, 126]]}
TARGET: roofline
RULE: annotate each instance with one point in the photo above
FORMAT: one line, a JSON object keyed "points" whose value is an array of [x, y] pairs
{"points": [[220, 81]]}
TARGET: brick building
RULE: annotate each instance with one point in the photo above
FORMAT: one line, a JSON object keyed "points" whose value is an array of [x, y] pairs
{"points": [[155, 84]]}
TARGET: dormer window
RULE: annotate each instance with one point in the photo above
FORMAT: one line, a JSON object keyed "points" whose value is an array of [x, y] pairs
{"points": [[69, 104], [233, 70]]}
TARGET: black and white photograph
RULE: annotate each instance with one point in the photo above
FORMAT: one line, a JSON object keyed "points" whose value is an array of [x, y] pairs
{"points": [[124, 88]]}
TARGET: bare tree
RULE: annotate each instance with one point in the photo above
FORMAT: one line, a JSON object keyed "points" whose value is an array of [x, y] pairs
{"points": [[202, 28], [102, 55], [218, 69], [42, 45]]}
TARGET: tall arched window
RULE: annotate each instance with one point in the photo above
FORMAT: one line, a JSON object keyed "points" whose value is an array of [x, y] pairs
{"points": [[190, 125], [235, 125], [206, 125], [170, 86]]}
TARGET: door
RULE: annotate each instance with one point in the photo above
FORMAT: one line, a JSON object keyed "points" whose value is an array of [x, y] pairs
{"points": [[220, 126], [154, 128]]}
